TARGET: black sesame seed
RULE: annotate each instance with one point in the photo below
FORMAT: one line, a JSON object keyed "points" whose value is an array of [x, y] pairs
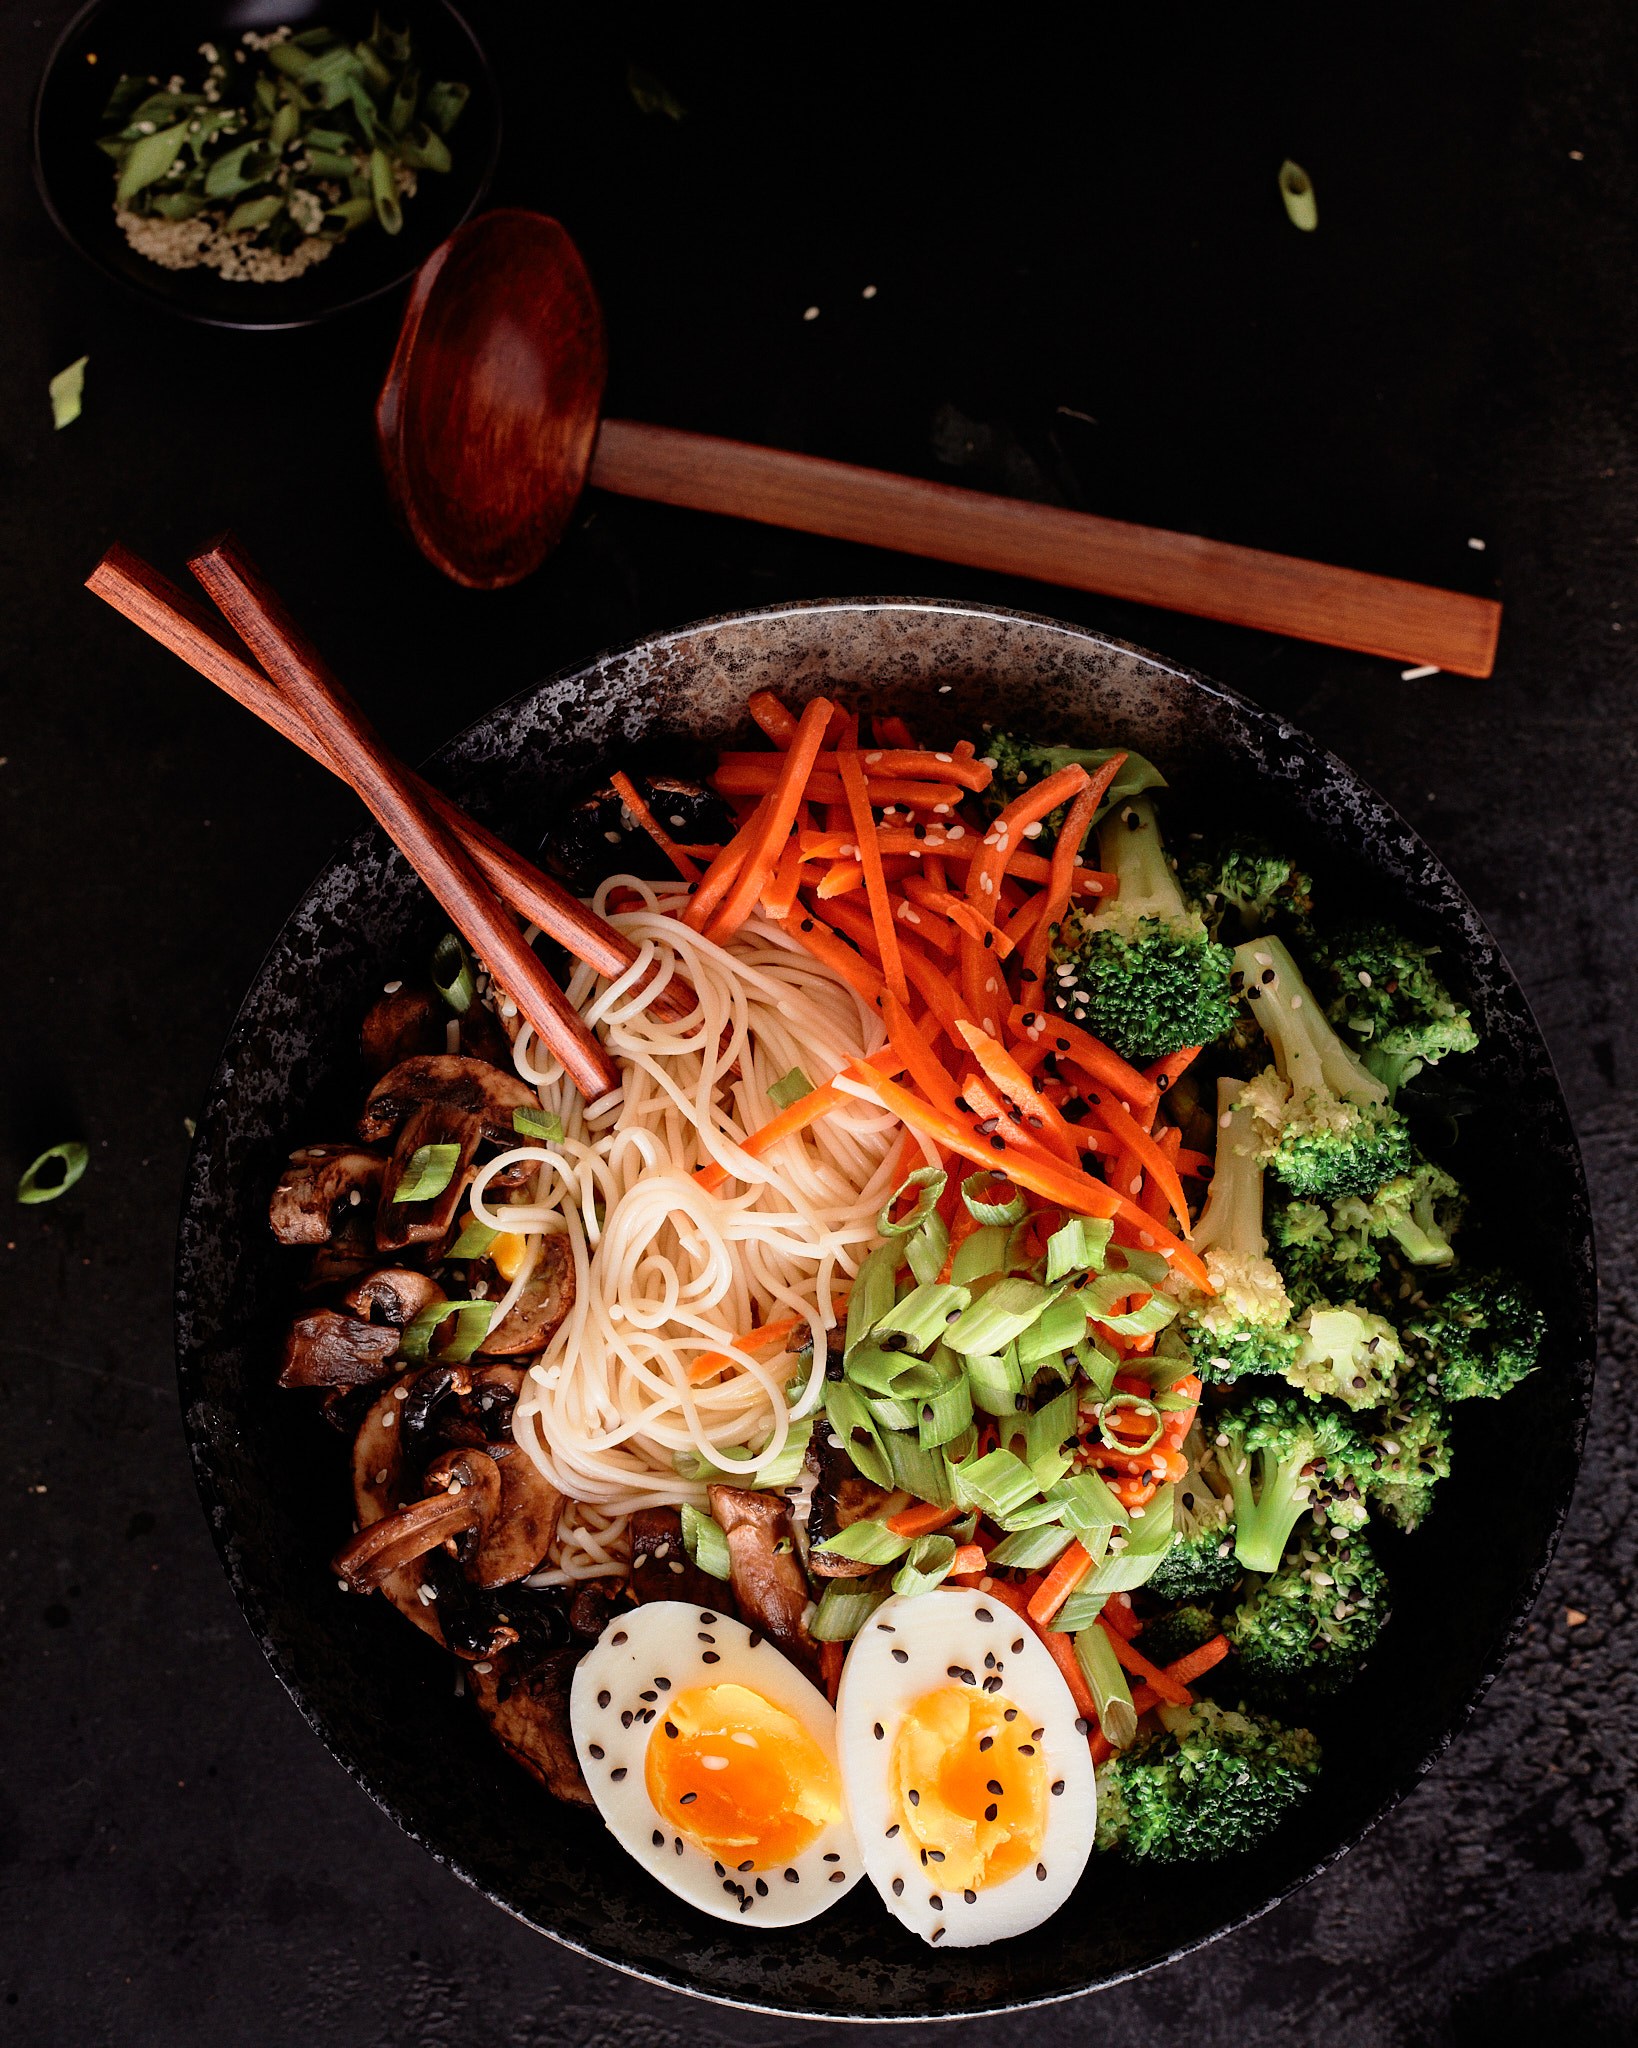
{"points": [[729, 1885], [992, 1685], [971, 1898], [915, 1797], [1057, 1787], [1267, 976], [627, 1718], [721, 1872], [938, 1934], [1018, 1647], [989, 1660], [1026, 1749], [745, 1902], [754, 1640], [898, 1887], [677, 1844], [663, 1683], [996, 1145], [688, 1799], [901, 1656], [618, 1639], [892, 1831], [746, 1865], [1082, 1725], [831, 1856], [994, 1785], [879, 1731], [838, 1877], [619, 1774], [924, 1859], [1035, 1734], [709, 1657], [708, 1619], [648, 1695], [791, 1877], [597, 1751], [936, 1855], [887, 1628], [659, 1839], [671, 1730], [704, 1638], [1011, 1714], [986, 1742], [982, 1614], [602, 1699], [761, 1889], [989, 1813], [935, 1902], [807, 924]]}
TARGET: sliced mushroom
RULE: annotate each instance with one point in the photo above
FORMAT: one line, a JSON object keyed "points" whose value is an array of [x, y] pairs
{"points": [[661, 1568], [319, 1185], [437, 1101], [327, 1349], [462, 1494], [393, 1294], [378, 1494], [547, 1297], [766, 1575], [841, 1496], [519, 1533], [528, 1714], [412, 1020]]}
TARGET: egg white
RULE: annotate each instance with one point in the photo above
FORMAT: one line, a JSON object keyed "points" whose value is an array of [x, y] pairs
{"points": [[619, 1691], [911, 1647]]}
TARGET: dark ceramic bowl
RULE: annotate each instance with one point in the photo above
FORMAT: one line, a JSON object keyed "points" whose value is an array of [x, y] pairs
{"points": [[76, 180], [274, 1489]]}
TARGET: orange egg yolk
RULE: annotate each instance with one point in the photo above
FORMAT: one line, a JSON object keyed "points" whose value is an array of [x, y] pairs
{"points": [[969, 1787], [740, 1777]]}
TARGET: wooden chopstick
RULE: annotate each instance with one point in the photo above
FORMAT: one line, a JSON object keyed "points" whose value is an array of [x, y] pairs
{"points": [[255, 612], [179, 622]]}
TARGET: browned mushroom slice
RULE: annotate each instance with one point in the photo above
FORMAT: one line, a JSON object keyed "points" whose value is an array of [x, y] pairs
{"points": [[547, 1297], [379, 1491], [841, 1496], [393, 1294], [437, 1101], [317, 1188], [327, 1349], [766, 1575], [661, 1568], [371, 1557], [518, 1535], [412, 1020], [528, 1713]]}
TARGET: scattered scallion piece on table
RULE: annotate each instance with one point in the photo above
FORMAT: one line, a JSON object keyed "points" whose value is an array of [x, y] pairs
{"points": [[651, 95], [66, 390], [1297, 190], [53, 1173]]}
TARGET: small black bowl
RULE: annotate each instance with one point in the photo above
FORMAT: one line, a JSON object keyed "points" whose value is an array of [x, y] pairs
{"points": [[273, 1479], [76, 180]]}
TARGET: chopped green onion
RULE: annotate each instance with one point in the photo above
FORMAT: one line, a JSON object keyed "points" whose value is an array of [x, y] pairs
{"points": [[1030, 1550], [1045, 1433], [928, 1249], [705, 1543], [1061, 1327], [981, 1211], [891, 1413], [995, 1380], [538, 1123], [995, 1484], [924, 1314], [1147, 1542], [443, 103], [474, 1240], [846, 1605], [472, 1327], [452, 974], [1086, 1505], [1138, 1406], [786, 1469], [927, 1565], [1098, 1361], [32, 1188], [789, 1088], [872, 1294], [66, 390], [1078, 1247], [150, 160], [1099, 1297], [982, 1253], [1149, 1267], [999, 1316], [942, 1417], [926, 1474], [1297, 190], [429, 1172], [930, 1180], [1117, 1716], [866, 1542], [857, 1429], [384, 192], [877, 1371]]}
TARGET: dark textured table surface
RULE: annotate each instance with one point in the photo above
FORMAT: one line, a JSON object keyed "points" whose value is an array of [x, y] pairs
{"points": [[1049, 262]]}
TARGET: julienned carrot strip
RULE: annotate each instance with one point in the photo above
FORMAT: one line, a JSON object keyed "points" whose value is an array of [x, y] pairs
{"points": [[927, 925], [720, 875], [1013, 1082], [984, 1099], [924, 1519], [959, 911], [1022, 924], [786, 798], [1195, 1165], [1164, 1072], [930, 981], [1154, 1200], [775, 718], [1061, 1649], [1059, 1583], [1198, 1662], [1101, 1747], [843, 729], [1099, 1060], [841, 878], [911, 1156], [832, 1656], [850, 767], [626, 790], [892, 732], [757, 774], [709, 1363], [779, 897], [1143, 1148], [920, 1061], [1062, 879], [815, 937], [922, 766], [958, 844], [1117, 1616], [1139, 1665], [805, 1110], [980, 978], [969, 1560]]}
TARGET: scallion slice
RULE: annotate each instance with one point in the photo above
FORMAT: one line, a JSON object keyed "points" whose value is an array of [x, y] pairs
{"points": [[1078, 1247], [928, 1249], [474, 1240], [846, 1605], [789, 1088], [538, 1123], [786, 1469], [452, 974], [995, 1484], [470, 1331], [1297, 191], [1061, 1327], [923, 1316], [930, 1181], [1138, 1406], [1029, 1550], [979, 1255], [858, 1431], [872, 1294], [1117, 1716], [927, 1565], [995, 1380], [1147, 1541], [999, 1316], [43, 1182], [705, 1542], [866, 1542], [926, 1474], [941, 1417], [973, 1193], [429, 1172]]}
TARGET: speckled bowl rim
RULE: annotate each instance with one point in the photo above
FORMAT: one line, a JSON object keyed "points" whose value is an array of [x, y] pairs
{"points": [[474, 747]]}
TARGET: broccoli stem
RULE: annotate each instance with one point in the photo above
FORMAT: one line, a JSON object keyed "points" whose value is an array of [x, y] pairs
{"points": [[1232, 1219], [1264, 1516], [1129, 845], [1308, 1053]]}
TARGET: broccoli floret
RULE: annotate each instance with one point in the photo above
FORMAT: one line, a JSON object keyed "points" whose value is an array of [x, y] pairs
{"points": [[1201, 1562], [1141, 971], [1348, 1353], [1412, 1445], [1420, 1210], [1479, 1341], [1208, 1784], [1247, 886], [1327, 1126], [1170, 1636], [1282, 1454], [1320, 1257], [1019, 764], [1390, 1002], [1303, 1633]]}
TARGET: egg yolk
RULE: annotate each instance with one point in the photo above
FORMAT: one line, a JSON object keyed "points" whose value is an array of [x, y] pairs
{"points": [[740, 1777], [968, 1786]]}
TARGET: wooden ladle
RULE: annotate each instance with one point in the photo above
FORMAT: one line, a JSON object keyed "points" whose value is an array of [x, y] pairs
{"points": [[488, 431]]}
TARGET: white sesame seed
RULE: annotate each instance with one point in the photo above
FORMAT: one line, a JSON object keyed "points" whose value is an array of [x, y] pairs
{"points": [[811, 314]]}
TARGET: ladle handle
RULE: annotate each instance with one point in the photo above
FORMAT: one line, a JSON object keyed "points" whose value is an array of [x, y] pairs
{"points": [[1179, 572]]}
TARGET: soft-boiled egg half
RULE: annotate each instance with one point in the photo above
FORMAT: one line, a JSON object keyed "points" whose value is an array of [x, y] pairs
{"points": [[969, 1785], [713, 1761]]}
